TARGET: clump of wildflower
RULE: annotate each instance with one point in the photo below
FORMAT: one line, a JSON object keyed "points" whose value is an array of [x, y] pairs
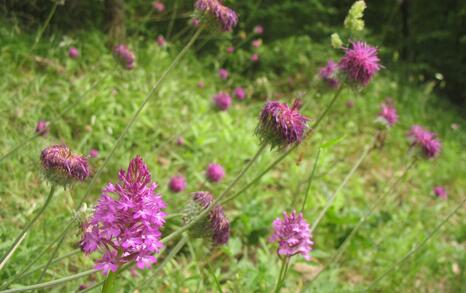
{"points": [[441, 192], [280, 125], [215, 226], [215, 172], [63, 167], [73, 53], [126, 228], [254, 58], [240, 93], [293, 235], [177, 183], [159, 6], [427, 141], [259, 29], [42, 128], [336, 41], [230, 50], [161, 41], [328, 74], [360, 63], [387, 115], [257, 43], [223, 16], [93, 153], [223, 73], [353, 20], [222, 101], [125, 56]]}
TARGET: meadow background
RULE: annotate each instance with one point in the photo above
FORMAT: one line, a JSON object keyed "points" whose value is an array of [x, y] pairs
{"points": [[422, 48]]}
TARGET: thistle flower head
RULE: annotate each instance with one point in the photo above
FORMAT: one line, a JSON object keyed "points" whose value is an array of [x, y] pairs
{"points": [[42, 128], [222, 101], [223, 73], [180, 140], [201, 84], [256, 43], [387, 115], [125, 56], [425, 140], [126, 227], [215, 172], [328, 74], [441, 192], [240, 93], [63, 167], [230, 50], [259, 29], [223, 16], [177, 183], [214, 226], [159, 6], [360, 63], [93, 153], [195, 22], [254, 58], [280, 125], [161, 41], [293, 235], [73, 53]]}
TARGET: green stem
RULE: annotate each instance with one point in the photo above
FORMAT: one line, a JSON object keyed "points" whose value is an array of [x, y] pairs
{"points": [[220, 197], [10, 251], [53, 283], [345, 243], [172, 20], [54, 253], [281, 275], [335, 97], [343, 184], [110, 282], [311, 177], [418, 247]]}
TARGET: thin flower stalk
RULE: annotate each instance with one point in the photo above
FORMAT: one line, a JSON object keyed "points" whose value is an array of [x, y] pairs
{"points": [[9, 252], [281, 274], [309, 182], [417, 248]]}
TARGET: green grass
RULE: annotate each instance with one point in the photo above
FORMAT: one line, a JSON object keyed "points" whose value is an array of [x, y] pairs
{"points": [[248, 263]]}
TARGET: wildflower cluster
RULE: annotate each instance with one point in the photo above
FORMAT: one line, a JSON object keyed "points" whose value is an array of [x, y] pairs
{"points": [[125, 56]]}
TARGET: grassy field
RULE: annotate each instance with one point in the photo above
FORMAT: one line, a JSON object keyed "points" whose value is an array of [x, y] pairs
{"points": [[101, 98]]}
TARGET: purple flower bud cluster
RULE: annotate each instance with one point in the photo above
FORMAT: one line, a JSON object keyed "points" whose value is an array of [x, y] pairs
{"points": [[125, 56], [280, 125], [177, 183], [224, 16], [42, 128], [427, 141], [216, 225], [388, 115], [126, 227], [328, 74], [222, 101], [63, 167], [293, 235], [215, 173], [360, 63]]}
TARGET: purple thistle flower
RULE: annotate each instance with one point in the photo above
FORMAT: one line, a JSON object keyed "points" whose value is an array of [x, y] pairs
{"points": [[240, 93], [215, 172], [62, 167], [159, 6], [125, 56], [230, 50], [255, 58], [126, 228], [293, 235], [223, 73], [161, 41], [73, 53], [216, 225], [180, 140], [328, 74], [441, 192], [427, 141], [257, 43], [259, 29], [360, 63], [195, 22], [224, 16], [222, 100], [177, 183], [280, 125], [388, 115], [93, 153], [42, 128]]}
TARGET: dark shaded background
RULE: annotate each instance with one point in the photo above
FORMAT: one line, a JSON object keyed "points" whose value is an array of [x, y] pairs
{"points": [[424, 37]]}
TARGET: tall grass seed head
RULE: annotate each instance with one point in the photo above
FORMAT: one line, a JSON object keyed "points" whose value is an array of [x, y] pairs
{"points": [[335, 41], [354, 20]]}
